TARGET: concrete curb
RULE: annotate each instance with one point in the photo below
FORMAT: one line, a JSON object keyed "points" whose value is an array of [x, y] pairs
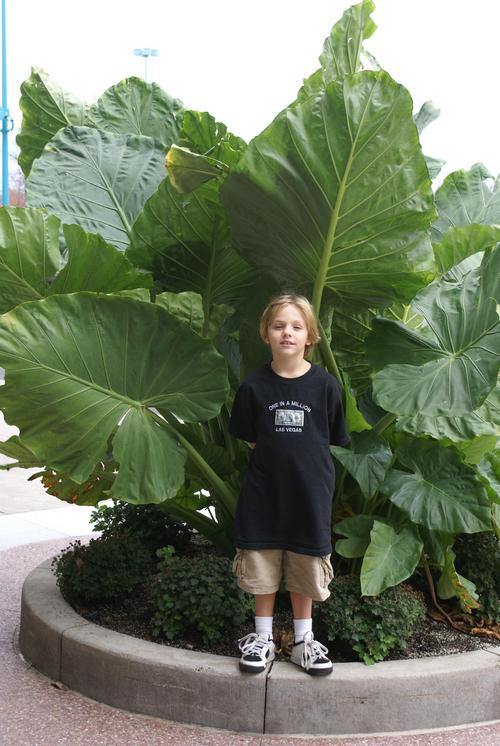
{"points": [[203, 689]]}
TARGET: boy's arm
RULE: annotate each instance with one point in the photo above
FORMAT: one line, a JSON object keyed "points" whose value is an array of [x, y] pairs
{"points": [[241, 421], [337, 421]]}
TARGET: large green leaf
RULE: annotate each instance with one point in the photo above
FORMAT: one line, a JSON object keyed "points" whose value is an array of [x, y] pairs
{"points": [[473, 451], [138, 108], [484, 421], [451, 370], [355, 420], [203, 134], [357, 529], [466, 197], [187, 170], [90, 492], [367, 460], [495, 519], [96, 266], [441, 492], [425, 116], [29, 254], [46, 108], [187, 307], [184, 240], [350, 329], [335, 193], [205, 150], [435, 545], [459, 243], [343, 47], [14, 448], [97, 180], [76, 365], [489, 473], [390, 558], [451, 583], [151, 459], [30, 260]]}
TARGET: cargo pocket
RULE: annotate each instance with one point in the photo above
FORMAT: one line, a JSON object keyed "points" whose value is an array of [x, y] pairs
{"points": [[239, 564], [326, 571]]}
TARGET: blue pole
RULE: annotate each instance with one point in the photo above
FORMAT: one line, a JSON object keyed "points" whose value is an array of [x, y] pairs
{"points": [[5, 116]]}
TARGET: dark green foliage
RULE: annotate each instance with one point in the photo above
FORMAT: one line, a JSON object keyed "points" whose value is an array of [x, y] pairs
{"points": [[197, 594], [104, 569], [478, 559], [148, 523], [372, 625]]}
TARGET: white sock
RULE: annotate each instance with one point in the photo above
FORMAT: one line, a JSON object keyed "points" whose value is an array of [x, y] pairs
{"points": [[301, 626], [264, 625]]}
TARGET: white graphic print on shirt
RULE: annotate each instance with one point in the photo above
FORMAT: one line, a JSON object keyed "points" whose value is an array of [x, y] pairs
{"points": [[289, 420]]}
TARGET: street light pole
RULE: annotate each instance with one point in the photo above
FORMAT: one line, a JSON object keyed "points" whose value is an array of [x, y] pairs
{"points": [[7, 123], [146, 52]]}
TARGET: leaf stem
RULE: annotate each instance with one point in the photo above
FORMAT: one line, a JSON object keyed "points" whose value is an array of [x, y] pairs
{"points": [[384, 422], [226, 494], [432, 589], [320, 280], [328, 356], [207, 295], [205, 526], [222, 418]]}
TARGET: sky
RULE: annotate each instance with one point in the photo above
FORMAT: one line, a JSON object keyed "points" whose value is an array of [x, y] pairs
{"points": [[244, 61]]}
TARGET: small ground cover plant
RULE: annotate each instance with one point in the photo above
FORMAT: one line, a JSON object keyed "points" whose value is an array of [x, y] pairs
{"points": [[371, 625], [152, 526], [196, 594], [103, 569]]}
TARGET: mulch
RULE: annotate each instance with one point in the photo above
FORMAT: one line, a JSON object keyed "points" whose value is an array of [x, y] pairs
{"points": [[133, 616]]}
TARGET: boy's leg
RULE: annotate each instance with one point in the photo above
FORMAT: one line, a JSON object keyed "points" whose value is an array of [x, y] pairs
{"points": [[302, 614], [301, 605], [259, 572], [264, 604], [307, 579], [264, 610]]}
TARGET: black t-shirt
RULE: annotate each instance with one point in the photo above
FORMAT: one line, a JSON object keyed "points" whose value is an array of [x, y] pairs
{"points": [[286, 495]]}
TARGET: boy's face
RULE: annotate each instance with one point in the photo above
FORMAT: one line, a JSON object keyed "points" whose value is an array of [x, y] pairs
{"points": [[287, 334]]}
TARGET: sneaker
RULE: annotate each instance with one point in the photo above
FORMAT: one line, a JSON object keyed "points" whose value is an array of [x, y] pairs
{"points": [[258, 652], [311, 655]]}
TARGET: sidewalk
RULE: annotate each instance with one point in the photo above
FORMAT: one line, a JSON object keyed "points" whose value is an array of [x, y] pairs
{"points": [[27, 513], [35, 711]]}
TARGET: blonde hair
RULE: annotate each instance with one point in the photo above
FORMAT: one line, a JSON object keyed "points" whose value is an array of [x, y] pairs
{"points": [[305, 308]]}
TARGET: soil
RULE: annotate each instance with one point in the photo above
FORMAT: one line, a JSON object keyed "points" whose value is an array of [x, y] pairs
{"points": [[133, 615]]}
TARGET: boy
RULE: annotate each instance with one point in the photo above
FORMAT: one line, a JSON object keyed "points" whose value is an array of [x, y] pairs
{"points": [[290, 411]]}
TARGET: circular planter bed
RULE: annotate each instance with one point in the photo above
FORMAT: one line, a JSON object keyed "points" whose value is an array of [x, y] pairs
{"points": [[201, 688]]}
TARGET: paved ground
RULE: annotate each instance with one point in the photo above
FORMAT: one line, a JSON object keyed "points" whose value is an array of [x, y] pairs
{"points": [[35, 712]]}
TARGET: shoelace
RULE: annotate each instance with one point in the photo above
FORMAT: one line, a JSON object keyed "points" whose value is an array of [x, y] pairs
{"points": [[312, 651], [253, 643]]}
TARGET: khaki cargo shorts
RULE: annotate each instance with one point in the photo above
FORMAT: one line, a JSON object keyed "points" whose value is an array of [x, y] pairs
{"points": [[259, 571]]}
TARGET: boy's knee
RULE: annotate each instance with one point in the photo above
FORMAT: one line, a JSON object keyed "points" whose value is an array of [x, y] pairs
{"points": [[258, 571], [308, 575]]}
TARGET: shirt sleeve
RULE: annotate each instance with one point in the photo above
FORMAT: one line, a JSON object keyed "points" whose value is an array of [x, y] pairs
{"points": [[242, 421], [336, 418]]}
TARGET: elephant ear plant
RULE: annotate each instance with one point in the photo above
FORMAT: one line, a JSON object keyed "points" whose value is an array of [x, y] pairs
{"points": [[131, 297]]}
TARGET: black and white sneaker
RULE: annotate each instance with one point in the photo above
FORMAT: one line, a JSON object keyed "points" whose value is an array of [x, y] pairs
{"points": [[312, 656], [257, 652]]}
